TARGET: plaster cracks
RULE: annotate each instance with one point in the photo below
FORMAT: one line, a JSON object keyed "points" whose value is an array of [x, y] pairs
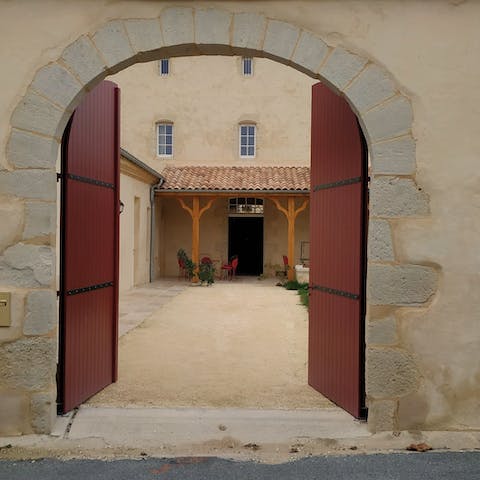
{"points": [[39, 120]]}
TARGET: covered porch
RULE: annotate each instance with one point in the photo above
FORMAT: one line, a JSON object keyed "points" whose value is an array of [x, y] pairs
{"points": [[259, 214]]}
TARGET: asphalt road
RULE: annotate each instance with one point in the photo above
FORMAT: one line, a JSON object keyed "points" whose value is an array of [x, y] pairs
{"points": [[425, 466]]}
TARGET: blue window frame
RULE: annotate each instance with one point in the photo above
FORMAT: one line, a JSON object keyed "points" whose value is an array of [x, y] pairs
{"points": [[165, 139], [248, 142], [164, 66], [247, 66]]}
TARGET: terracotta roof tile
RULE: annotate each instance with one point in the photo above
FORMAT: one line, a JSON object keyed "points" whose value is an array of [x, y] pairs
{"points": [[236, 178]]}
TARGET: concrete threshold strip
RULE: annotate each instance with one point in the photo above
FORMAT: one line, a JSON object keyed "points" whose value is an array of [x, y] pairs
{"points": [[270, 436], [177, 426]]}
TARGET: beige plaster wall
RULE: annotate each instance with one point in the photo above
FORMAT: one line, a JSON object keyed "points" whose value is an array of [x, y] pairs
{"points": [[129, 277], [206, 98], [430, 51]]}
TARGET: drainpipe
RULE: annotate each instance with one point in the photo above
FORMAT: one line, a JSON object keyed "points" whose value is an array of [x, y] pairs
{"points": [[153, 189]]}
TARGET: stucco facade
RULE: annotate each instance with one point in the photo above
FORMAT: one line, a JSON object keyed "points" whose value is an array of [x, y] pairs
{"points": [[409, 70], [206, 99]]}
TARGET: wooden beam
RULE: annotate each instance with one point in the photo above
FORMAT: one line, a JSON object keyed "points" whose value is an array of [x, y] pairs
{"points": [[291, 214], [195, 213]]}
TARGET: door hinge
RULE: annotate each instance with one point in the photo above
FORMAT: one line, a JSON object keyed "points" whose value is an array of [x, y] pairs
{"points": [[334, 291], [59, 177]]}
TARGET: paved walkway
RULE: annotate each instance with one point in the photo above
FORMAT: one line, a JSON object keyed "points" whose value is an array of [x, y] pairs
{"points": [[239, 343]]}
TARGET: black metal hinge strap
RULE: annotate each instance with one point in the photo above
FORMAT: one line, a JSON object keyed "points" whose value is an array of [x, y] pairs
{"points": [[334, 291], [339, 183], [91, 181], [76, 291]]}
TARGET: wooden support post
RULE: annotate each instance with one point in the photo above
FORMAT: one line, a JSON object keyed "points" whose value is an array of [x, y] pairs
{"points": [[196, 213], [291, 214]]}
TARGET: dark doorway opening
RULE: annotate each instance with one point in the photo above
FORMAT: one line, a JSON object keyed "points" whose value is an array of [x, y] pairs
{"points": [[245, 239]]}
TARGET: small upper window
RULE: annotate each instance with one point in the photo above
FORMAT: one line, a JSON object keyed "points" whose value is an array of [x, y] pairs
{"points": [[247, 66], [164, 65], [248, 140], [165, 139], [245, 206]]}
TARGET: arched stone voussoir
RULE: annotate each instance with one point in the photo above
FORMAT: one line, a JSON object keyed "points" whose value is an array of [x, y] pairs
{"points": [[309, 53], [58, 84], [84, 60], [340, 68], [248, 31], [388, 120], [373, 86], [114, 46], [144, 34], [394, 157], [212, 31], [280, 41], [177, 26], [38, 114]]}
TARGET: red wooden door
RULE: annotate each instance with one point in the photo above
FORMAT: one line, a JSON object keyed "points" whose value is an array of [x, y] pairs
{"points": [[89, 247], [337, 252]]}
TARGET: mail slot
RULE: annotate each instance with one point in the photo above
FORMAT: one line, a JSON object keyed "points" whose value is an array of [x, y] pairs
{"points": [[5, 320]]}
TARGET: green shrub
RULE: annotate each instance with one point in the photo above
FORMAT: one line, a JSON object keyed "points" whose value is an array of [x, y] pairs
{"points": [[302, 290]]}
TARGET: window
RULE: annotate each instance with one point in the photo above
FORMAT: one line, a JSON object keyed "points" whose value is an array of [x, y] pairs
{"points": [[164, 65], [247, 66], [252, 206], [165, 139], [247, 140]]}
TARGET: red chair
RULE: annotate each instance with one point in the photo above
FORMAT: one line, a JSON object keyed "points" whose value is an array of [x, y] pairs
{"points": [[182, 272], [230, 269], [285, 264]]}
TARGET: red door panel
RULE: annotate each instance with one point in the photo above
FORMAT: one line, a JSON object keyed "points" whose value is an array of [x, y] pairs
{"points": [[337, 252], [89, 247]]}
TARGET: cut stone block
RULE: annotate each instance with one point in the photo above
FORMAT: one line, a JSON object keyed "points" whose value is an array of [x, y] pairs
{"points": [[40, 220], [212, 27], [280, 39], [84, 60], [113, 43], [144, 34], [34, 184], [382, 415], [382, 331], [248, 30], [397, 197], [41, 314], [380, 245], [26, 150], [177, 26], [58, 84], [341, 67], [400, 284], [37, 114], [371, 87], [29, 363], [391, 373], [43, 412], [310, 52], [390, 119], [31, 265], [394, 157]]}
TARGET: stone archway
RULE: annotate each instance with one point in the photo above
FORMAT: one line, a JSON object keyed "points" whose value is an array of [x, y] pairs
{"points": [[37, 124]]}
